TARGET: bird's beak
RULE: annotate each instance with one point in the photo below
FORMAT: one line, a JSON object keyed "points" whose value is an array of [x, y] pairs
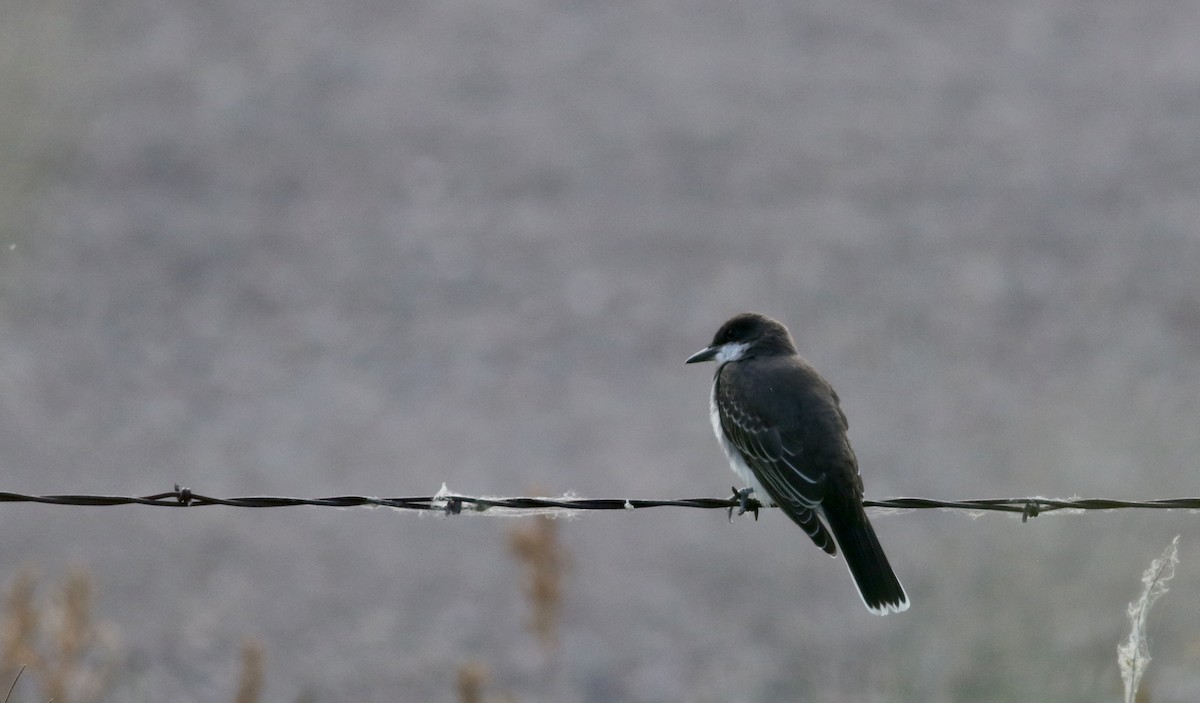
{"points": [[705, 354]]}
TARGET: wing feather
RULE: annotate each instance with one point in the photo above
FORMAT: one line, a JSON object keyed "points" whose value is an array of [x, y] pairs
{"points": [[779, 464], [795, 475]]}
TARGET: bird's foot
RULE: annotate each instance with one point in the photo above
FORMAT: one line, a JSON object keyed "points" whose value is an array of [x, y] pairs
{"points": [[746, 504]]}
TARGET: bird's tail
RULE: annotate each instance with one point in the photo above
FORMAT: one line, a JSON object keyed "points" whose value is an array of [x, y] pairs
{"points": [[877, 583]]}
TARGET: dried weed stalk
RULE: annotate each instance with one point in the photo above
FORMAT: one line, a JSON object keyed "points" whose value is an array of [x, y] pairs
{"points": [[250, 684], [537, 546], [471, 679], [72, 657]]}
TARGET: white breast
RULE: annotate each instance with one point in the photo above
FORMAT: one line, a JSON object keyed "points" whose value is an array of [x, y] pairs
{"points": [[736, 462]]}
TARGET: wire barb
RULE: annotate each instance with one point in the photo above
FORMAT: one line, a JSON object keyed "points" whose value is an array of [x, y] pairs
{"points": [[453, 504]]}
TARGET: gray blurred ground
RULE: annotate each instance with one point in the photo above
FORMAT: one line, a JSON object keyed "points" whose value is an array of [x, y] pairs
{"points": [[306, 249]]}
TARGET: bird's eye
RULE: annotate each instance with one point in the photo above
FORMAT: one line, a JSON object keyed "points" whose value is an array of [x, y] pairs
{"points": [[730, 333]]}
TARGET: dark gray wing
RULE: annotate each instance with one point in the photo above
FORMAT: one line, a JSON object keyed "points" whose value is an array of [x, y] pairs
{"points": [[778, 422]]}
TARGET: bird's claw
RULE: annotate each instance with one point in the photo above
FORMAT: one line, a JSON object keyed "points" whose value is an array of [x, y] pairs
{"points": [[746, 504]]}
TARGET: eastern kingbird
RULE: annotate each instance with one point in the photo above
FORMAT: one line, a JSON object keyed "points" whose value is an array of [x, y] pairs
{"points": [[784, 434]]}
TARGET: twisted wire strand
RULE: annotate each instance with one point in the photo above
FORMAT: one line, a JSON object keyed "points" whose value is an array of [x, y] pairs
{"points": [[450, 503]]}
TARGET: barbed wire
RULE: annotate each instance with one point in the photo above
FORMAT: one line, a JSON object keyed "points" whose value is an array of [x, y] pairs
{"points": [[453, 504]]}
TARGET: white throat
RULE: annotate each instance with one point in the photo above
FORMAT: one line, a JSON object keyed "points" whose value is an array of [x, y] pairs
{"points": [[730, 352]]}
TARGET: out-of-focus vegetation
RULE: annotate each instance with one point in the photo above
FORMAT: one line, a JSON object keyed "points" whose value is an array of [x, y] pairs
{"points": [[55, 640], [54, 644]]}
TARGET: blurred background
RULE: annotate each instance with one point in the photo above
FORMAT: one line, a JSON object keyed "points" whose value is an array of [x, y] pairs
{"points": [[306, 248]]}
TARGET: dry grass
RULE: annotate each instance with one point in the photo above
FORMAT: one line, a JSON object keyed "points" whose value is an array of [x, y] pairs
{"points": [[250, 683], [537, 547], [472, 677], [70, 656], [54, 639], [13, 684]]}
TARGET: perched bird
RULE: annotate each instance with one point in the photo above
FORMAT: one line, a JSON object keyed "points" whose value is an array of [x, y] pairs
{"points": [[784, 433]]}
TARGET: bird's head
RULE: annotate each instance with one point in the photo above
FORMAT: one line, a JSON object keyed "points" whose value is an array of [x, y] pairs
{"points": [[746, 335]]}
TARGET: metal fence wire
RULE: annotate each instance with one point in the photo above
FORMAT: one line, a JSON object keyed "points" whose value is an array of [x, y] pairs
{"points": [[449, 503]]}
